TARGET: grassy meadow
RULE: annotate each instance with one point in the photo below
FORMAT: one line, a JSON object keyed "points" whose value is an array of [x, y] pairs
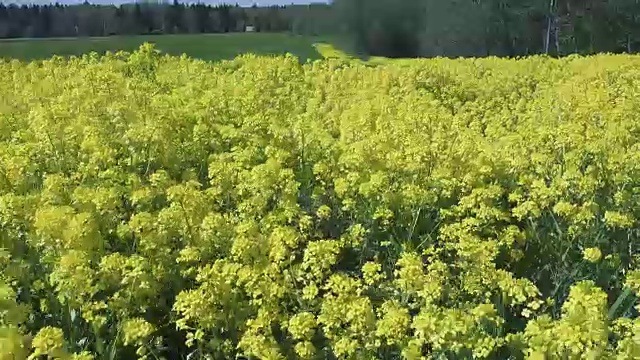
{"points": [[201, 46]]}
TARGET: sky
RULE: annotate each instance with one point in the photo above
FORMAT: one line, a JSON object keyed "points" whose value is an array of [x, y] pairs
{"points": [[213, 2]]}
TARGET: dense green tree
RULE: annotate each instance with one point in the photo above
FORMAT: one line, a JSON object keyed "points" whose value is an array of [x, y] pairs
{"points": [[491, 27], [384, 27]]}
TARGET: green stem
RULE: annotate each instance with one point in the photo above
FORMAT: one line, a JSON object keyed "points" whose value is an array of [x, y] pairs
{"points": [[113, 351], [99, 341], [150, 349], [613, 311]]}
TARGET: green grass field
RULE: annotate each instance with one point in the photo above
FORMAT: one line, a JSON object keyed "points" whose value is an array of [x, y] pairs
{"points": [[202, 46]]}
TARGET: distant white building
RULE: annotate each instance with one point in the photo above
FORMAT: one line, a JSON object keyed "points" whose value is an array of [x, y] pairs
{"points": [[250, 28]]}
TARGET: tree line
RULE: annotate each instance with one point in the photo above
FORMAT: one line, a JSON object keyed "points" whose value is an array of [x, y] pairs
{"points": [[407, 28], [56, 20], [411, 28]]}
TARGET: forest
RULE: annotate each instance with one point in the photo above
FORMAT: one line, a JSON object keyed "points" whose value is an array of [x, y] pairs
{"points": [[411, 28], [56, 20], [426, 28]]}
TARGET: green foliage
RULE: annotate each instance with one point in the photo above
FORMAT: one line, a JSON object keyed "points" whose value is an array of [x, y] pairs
{"points": [[161, 207], [453, 28]]}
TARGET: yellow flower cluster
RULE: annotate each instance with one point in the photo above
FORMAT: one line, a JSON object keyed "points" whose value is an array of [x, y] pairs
{"points": [[592, 254], [162, 207]]}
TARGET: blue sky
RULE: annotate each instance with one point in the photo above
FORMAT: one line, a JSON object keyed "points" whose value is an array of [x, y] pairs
{"points": [[240, 2]]}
